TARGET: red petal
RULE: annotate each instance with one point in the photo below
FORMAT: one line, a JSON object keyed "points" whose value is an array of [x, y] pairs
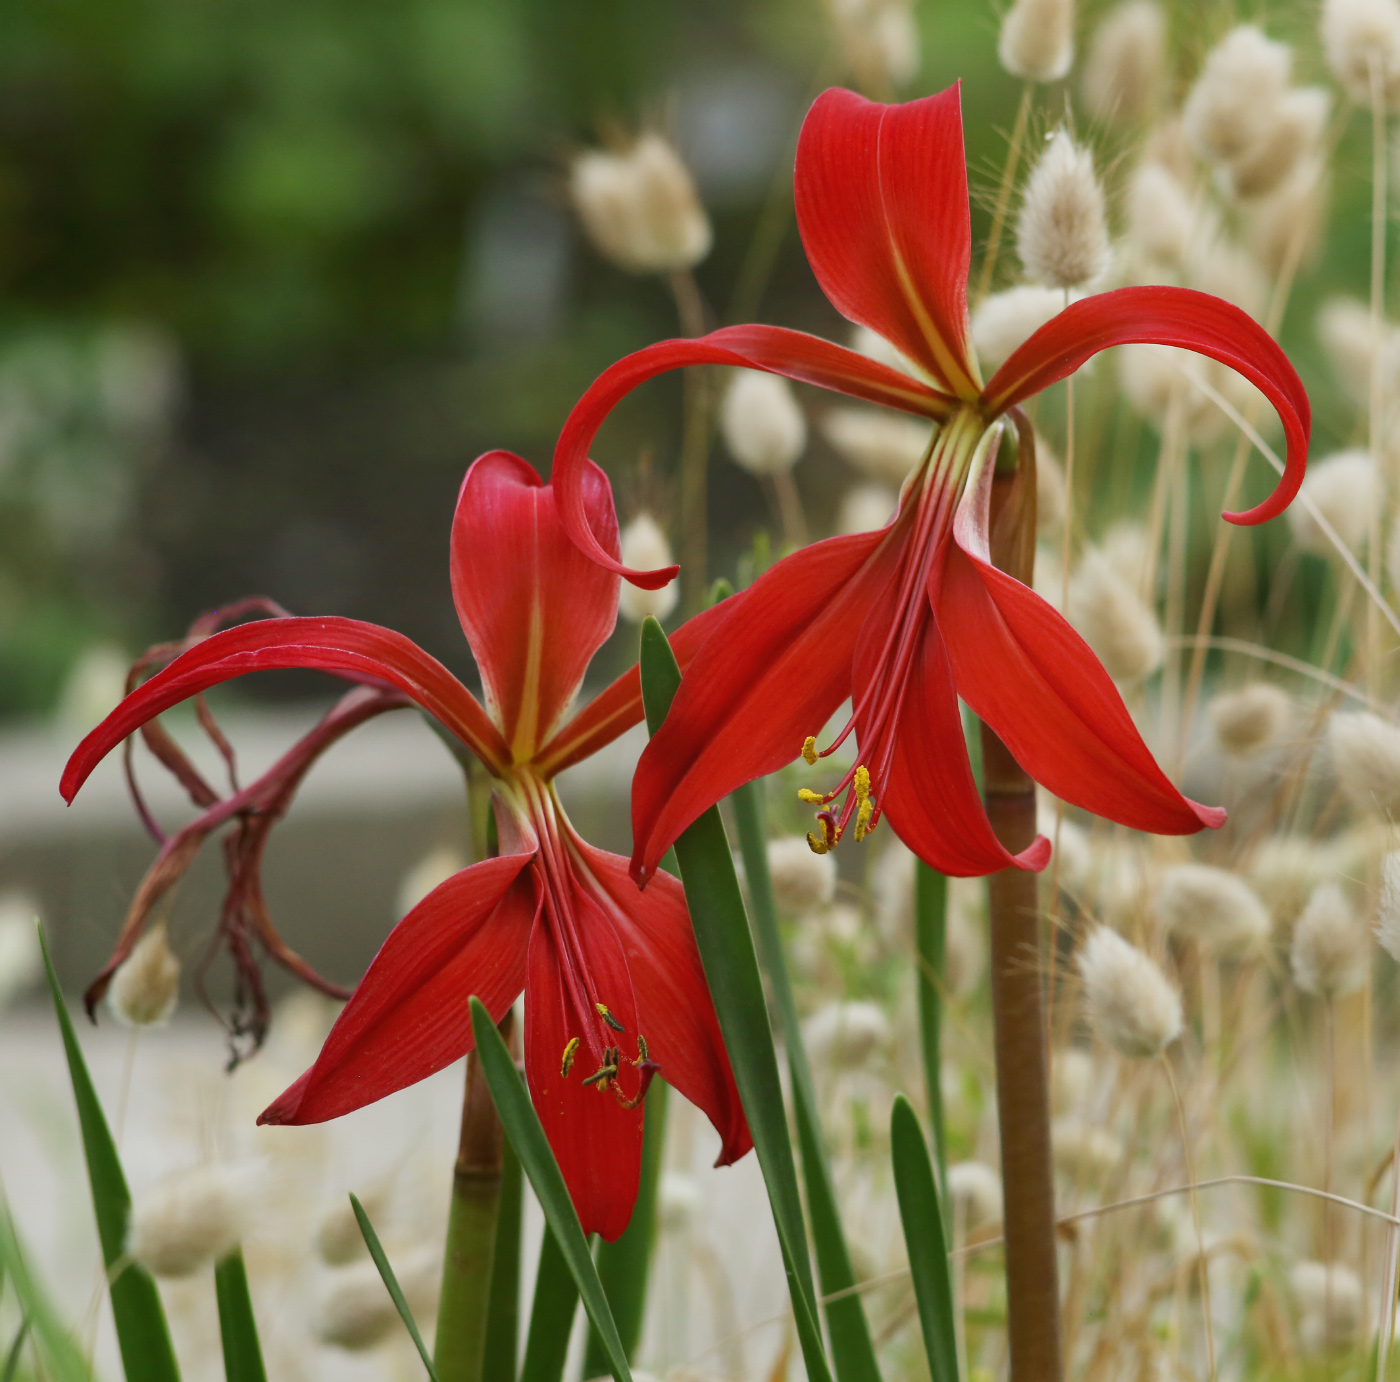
{"points": [[576, 961], [675, 1011], [408, 1017], [882, 206], [773, 671], [349, 647], [1166, 316], [930, 797], [533, 607], [772, 348]]}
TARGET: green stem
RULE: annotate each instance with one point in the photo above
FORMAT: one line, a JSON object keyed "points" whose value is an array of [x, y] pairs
{"points": [[503, 1308], [931, 936], [238, 1330], [623, 1266], [551, 1315]]}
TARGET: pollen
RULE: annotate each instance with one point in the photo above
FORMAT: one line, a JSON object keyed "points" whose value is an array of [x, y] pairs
{"points": [[818, 846], [607, 1072], [809, 750], [864, 811], [609, 1018], [808, 795], [642, 1053], [567, 1063]]}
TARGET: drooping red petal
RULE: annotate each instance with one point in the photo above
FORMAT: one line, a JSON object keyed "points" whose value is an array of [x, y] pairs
{"points": [[773, 670], [533, 607], [675, 1011], [350, 647], [793, 354], [929, 795], [1166, 316], [575, 962], [408, 1017], [882, 207]]}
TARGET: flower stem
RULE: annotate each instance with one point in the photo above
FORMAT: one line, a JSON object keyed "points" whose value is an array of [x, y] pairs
{"points": [[695, 450], [1378, 230], [1189, 1163], [931, 934], [1008, 181]]}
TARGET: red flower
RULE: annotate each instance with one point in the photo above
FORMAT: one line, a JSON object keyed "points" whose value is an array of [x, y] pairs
{"points": [[614, 987], [906, 620]]}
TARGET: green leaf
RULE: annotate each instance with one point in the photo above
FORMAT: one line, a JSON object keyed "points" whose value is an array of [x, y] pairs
{"points": [[623, 1266], [391, 1283], [12, 1358], [931, 935], [65, 1358], [503, 1308], [852, 1351], [142, 1333], [551, 1314], [238, 1330], [731, 968], [522, 1126], [922, 1217]]}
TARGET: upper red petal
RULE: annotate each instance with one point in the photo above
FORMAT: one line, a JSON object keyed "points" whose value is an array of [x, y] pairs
{"points": [[882, 206], [674, 1009], [773, 670], [772, 348], [408, 1017], [533, 607], [350, 647], [1166, 316]]}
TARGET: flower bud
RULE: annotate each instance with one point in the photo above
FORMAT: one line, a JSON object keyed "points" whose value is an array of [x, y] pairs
{"points": [[1234, 102], [1252, 719], [1359, 36], [1125, 70], [801, 880], [1037, 39], [1329, 946], [865, 509], [847, 1035], [1062, 235], [1346, 488], [761, 422], [1114, 620], [21, 961], [975, 1189], [1366, 759], [1213, 907], [1296, 129], [354, 1310], [885, 445], [1388, 909], [1132, 1005], [644, 548], [1161, 218], [146, 985], [640, 208], [192, 1218], [1003, 321]]}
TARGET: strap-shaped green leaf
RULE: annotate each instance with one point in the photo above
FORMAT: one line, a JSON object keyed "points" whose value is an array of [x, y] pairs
{"points": [[391, 1283], [922, 1217], [11, 1368], [731, 967], [238, 1330], [65, 1359], [551, 1315], [142, 1333], [522, 1126]]}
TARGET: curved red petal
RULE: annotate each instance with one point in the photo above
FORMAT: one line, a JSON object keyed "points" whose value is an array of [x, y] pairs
{"points": [[930, 796], [408, 1017], [674, 1009], [1175, 317], [882, 207], [775, 349], [773, 670], [533, 607], [349, 647]]}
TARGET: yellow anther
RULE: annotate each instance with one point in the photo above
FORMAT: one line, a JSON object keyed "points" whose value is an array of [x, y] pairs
{"points": [[809, 749], [863, 815], [817, 844], [609, 1018], [642, 1052], [813, 798], [862, 783], [567, 1063]]}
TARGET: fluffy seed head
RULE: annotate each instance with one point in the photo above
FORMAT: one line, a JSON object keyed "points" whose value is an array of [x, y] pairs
{"points": [[1366, 759], [1251, 719], [885, 445], [1114, 620], [1062, 234], [640, 208], [1294, 133], [1133, 1006], [354, 1311], [1359, 38], [1329, 945], [146, 986], [975, 1188], [1213, 907], [865, 508], [1285, 228], [1083, 1150], [1071, 1079], [847, 1035], [1037, 39], [762, 425], [1003, 321], [1126, 67], [1331, 1305], [1235, 99], [801, 880], [21, 961], [1155, 380], [1161, 219], [1050, 494], [191, 1218], [1345, 330], [338, 1236], [644, 548], [1346, 487], [880, 38], [1388, 910], [678, 1200]]}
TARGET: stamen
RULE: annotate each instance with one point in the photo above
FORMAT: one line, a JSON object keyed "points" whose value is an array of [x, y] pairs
{"points": [[813, 798], [609, 1018], [649, 1070], [809, 750], [570, 1051], [642, 1053], [606, 1072]]}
